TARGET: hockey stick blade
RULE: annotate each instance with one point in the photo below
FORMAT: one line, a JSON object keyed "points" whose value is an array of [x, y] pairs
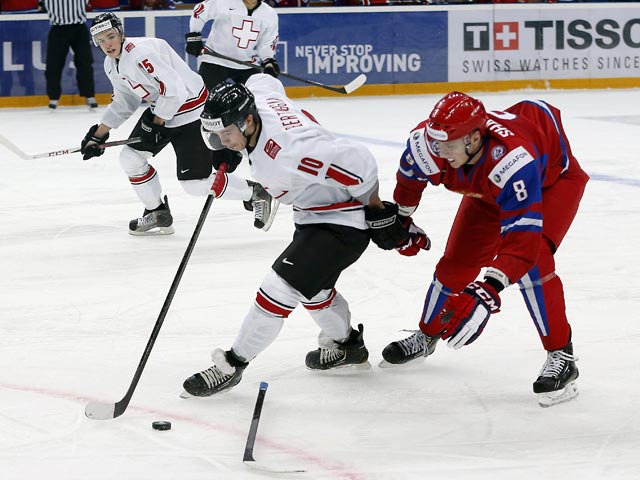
{"points": [[264, 468], [103, 411], [345, 90], [247, 458], [13, 147], [355, 84]]}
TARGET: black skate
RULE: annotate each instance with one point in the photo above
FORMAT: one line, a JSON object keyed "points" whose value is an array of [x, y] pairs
{"points": [[415, 346], [225, 374], [153, 222], [351, 352], [556, 382], [263, 206]]}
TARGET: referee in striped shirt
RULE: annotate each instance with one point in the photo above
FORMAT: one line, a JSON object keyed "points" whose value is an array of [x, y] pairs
{"points": [[69, 30]]}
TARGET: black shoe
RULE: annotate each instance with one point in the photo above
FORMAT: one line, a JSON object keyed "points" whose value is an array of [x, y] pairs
{"points": [[153, 222], [415, 346], [224, 375], [91, 103], [339, 354]]}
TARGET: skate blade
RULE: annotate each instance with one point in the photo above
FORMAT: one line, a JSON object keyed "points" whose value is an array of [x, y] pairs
{"points": [[274, 209], [411, 363], [549, 399], [186, 394], [154, 232], [344, 369]]}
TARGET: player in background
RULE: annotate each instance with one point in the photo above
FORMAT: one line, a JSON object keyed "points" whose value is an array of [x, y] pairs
{"points": [[148, 69], [246, 30], [522, 187], [328, 181]]}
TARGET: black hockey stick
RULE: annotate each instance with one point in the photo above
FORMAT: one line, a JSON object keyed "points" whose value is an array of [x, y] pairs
{"points": [[253, 429], [251, 438], [106, 411], [350, 87], [65, 151]]}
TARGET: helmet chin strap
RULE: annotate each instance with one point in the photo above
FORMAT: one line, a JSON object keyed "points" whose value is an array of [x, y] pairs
{"points": [[467, 147]]}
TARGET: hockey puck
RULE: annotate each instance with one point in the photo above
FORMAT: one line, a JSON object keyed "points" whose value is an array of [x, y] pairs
{"points": [[162, 425]]}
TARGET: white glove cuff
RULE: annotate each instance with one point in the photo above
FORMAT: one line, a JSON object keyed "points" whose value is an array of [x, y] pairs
{"points": [[497, 275], [406, 211]]}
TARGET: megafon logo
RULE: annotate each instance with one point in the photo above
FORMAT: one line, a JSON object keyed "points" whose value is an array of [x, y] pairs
{"points": [[576, 34]]}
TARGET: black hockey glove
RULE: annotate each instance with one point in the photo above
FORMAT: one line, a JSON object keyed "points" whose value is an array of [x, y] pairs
{"points": [[90, 145], [230, 157], [385, 226], [150, 133], [271, 67], [194, 43]]}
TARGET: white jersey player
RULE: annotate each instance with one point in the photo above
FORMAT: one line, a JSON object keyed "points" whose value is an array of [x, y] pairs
{"points": [[328, 181], [148, 70], [246, 30]]}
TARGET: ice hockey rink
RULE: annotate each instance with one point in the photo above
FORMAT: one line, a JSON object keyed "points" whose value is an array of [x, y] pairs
{"points": [[79, 298]]}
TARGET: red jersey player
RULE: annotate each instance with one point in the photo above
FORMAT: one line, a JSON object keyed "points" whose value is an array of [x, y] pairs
{"points": [[521, 188]]}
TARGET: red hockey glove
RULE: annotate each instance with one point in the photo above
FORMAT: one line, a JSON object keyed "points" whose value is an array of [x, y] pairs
{"points": [[467, 313], [417, 241]]}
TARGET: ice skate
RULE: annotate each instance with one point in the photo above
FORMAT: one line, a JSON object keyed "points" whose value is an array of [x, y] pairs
{"points": [[556, 382], [225, 374], [331, 354], [416, 346], [263, 205], [153, 222]]}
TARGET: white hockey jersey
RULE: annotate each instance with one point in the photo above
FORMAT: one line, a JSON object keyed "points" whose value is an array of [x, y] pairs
{"points": [[304, 165], [150, 70], [236, 33]]}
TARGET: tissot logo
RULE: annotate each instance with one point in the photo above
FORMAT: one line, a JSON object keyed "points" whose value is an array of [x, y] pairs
{"points": [[577, 34], [477, 38]]}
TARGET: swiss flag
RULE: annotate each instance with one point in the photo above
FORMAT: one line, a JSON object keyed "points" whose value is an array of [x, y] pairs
{"points": [[505, 36]]}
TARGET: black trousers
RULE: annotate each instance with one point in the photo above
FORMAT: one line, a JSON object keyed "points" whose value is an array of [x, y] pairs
{"points": [[212, 74], [59, 40], [318, 254], [193, 159]]}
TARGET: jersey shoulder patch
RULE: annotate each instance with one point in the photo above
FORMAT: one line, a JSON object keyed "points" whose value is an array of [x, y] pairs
{"points": [[508, 165], [271, 148], [420, 152]]}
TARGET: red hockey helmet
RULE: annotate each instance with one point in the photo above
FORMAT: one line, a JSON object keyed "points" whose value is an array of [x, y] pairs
{"points": [[456, 115]]}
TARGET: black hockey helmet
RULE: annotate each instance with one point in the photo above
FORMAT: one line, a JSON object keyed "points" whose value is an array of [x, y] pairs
{"points": [[103, 22], [227, 104]]}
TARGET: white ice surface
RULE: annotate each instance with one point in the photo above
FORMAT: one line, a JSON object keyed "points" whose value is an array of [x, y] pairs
{"points": [[79, 298]]}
